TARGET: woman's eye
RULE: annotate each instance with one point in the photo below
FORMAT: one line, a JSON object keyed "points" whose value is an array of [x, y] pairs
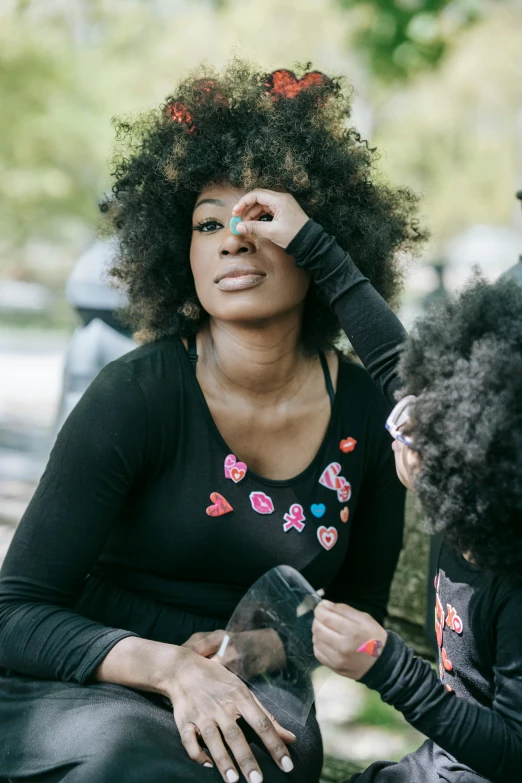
{"points": [[267, 217], [207, 226]]}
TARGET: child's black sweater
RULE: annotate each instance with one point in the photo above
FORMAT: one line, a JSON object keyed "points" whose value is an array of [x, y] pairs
{"points": [[471, 709]]}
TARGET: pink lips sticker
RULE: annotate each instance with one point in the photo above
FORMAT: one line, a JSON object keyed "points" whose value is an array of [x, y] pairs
{"points": [[234, 470], [261, 503], [327, 536]]}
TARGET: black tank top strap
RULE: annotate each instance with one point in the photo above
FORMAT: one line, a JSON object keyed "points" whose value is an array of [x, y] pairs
{"points": [[192, 350], [327, 378]]}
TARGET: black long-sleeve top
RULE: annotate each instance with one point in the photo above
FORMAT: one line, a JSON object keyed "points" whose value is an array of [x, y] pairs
{"points": [[471, 708], [123, 536]]}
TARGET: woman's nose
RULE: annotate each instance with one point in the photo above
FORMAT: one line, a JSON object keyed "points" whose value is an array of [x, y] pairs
{"points": [[234, 245]]}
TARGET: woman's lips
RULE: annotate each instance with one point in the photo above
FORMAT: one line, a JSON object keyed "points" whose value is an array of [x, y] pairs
{"points": [[238, 277]]}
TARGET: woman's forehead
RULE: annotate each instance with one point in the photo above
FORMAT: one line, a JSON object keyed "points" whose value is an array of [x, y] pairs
{"points": [[223, 195]]}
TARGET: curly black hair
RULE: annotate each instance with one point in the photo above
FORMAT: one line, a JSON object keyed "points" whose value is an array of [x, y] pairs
{"points": [[464, 361], [248, 129]]}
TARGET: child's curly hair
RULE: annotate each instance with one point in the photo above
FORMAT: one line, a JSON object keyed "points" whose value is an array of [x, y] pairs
{"points": [[248, 129], [464, 359]]}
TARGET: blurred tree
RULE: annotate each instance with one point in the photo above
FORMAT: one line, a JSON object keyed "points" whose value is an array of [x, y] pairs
{"points": [[398, 38]]}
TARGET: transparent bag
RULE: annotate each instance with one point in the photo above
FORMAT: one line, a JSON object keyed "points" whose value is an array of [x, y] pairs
{"points": [[268, 641]]}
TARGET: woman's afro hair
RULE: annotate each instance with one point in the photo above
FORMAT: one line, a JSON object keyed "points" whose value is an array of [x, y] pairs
{"points": [[464, 359], [248, 129]]}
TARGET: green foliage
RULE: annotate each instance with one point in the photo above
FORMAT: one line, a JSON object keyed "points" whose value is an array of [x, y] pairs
{"points": [[401, 38], [374, 712]]}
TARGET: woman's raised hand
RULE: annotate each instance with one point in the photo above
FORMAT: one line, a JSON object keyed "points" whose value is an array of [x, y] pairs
{"points": [[208, 700], [287, 217]]}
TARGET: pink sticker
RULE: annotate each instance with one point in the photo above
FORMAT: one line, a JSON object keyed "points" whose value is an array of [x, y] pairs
{"points": [[331, 479], [344, 492], [294, 518], [327, 536], [261, 503], [372, 647], [234, 470], [329, 475], [220, 505]]}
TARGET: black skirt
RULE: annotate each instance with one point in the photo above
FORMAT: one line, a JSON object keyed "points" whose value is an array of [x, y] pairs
{"points": [[109, 733]]}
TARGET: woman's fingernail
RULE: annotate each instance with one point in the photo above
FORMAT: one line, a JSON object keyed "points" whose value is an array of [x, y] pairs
{"points": [[232, 776], [208, 764], [292, 733], [286, 763], [327, 604], [255, 777]]}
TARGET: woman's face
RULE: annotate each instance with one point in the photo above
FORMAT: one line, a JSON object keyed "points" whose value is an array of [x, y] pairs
{"points": [[240, 278]]}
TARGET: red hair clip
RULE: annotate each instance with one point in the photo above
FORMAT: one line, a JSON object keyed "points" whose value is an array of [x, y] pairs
{"points": [[178, 112], [285, 84]]}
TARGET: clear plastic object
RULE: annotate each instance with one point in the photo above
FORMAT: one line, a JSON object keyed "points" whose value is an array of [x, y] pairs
{"points": [[268, 641]]}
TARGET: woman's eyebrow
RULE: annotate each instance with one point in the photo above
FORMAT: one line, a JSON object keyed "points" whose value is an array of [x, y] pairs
{"points": [[215, 201]]}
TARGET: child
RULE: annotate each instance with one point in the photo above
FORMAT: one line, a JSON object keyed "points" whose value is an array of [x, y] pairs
{"points": [[458, 444]]}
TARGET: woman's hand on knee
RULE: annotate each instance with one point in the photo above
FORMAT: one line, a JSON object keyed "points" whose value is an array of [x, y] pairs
{"points": [[208, 700], [286, 217], [247, 653]]}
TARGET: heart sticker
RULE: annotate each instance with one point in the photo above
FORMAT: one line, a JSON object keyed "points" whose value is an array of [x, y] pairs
{"points": [[221, 505], [327, 536], [236, 473], [345, 513], [344, 491], [318, 509], [234, 470], [261, 503], [329, 475], [347, 445]]}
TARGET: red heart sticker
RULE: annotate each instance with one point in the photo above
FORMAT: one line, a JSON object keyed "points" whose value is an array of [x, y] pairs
{"points": [[236, 474], [221, 505], [327, 536], [345, 513], [347, 445], [286, 84]]}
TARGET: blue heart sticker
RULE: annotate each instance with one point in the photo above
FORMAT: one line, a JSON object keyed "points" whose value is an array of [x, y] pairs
{"points": [[318, 509]]}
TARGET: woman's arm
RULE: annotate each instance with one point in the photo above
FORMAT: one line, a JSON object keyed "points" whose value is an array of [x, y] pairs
{"points": [[99, 452], [372, 327]]}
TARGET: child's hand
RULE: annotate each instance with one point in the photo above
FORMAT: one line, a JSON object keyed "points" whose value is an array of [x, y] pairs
{"points": [[286, 216], [339, 632]]}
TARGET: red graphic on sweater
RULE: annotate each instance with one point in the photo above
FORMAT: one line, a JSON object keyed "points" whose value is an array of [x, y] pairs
{"points": [[453, 621], [446, 661]]}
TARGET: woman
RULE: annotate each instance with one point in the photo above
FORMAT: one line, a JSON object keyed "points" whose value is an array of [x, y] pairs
{"points": [[234, 440]]}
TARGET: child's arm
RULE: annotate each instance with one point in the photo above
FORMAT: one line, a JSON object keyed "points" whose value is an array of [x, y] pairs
{"points": [[489, 740], [372, 327]]}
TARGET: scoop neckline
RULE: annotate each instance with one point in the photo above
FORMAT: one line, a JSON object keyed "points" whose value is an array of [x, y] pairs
{"points": [[226, 448]]}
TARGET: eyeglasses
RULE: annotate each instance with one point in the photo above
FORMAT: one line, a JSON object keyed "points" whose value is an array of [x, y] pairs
{"points": [[398, 417]]}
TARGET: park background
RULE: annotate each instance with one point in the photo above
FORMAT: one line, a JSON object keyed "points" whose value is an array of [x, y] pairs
{"points": [[437, 89]]}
